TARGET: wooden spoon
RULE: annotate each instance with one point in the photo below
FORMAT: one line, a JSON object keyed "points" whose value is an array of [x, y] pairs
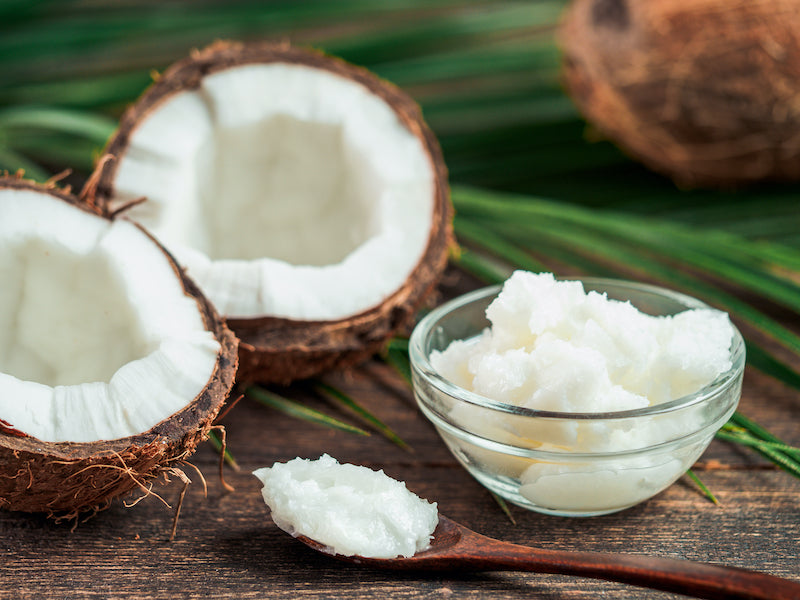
{"points": [[456, 547]]}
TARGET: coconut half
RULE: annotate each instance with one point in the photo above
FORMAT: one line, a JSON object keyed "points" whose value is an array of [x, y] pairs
{"points": [[112, 363], [306, 197]]}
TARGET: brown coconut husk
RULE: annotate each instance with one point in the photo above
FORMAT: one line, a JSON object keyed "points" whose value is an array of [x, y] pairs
{"points": [[65, 479], [704, 91], [280, 350]]}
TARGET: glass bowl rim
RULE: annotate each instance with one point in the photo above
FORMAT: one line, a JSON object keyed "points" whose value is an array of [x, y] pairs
{"points": [[421, 365]]}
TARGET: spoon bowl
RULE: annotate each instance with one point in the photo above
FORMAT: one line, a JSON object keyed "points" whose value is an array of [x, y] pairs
{"points": [[456, 547]]}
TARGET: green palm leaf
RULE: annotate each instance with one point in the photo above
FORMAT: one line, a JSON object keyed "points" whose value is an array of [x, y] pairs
{"points": [[299, 410]]}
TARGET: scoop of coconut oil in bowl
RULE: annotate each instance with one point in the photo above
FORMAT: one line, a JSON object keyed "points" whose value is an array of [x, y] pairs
{"points": [[576, 398]]}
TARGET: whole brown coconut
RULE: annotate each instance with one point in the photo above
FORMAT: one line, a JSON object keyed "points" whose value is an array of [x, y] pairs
{"points": [[65, 478], [280, 346], [705, 91]]}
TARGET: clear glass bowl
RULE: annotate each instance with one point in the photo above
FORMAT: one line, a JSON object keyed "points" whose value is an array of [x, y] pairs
{"points": [[523, 455]]}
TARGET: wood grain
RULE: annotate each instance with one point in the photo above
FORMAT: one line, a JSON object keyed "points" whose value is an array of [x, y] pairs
{"points": [[227, 547]]}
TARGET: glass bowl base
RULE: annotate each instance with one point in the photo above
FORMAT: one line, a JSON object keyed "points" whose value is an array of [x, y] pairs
{"points": [[508, 489]]}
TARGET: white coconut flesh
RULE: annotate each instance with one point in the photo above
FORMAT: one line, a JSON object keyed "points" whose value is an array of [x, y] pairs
{"points": [[98, 340], [286, 190]]}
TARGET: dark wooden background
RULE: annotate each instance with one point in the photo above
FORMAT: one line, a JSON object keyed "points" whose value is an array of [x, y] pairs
{"points": [[227, 547]]}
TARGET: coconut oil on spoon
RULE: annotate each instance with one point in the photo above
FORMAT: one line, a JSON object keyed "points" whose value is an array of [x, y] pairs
{"points": [[342, 510]]}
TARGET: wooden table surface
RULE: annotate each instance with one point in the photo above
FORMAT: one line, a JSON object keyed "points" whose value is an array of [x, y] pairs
{"points": [[227, 547]]}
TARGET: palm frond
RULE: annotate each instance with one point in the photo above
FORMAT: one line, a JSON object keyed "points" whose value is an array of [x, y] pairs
{"points": [[672, 254], [348, 402], [396, 356], [299, 410]]}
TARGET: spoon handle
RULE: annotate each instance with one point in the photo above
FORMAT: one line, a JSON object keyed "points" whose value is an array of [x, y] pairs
{"points": [[699, 580]]}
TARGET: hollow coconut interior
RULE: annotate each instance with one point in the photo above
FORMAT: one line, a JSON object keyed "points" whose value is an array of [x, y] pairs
{"points": [[98, 340], [286, 190]]}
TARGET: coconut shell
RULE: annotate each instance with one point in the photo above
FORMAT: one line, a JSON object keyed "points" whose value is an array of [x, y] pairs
{"points": [[280, 350], [64, 479], [704, 91]]}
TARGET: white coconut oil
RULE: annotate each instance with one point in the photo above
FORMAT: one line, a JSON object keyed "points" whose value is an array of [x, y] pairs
{"points": [[351, 509], [554, 347]]}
